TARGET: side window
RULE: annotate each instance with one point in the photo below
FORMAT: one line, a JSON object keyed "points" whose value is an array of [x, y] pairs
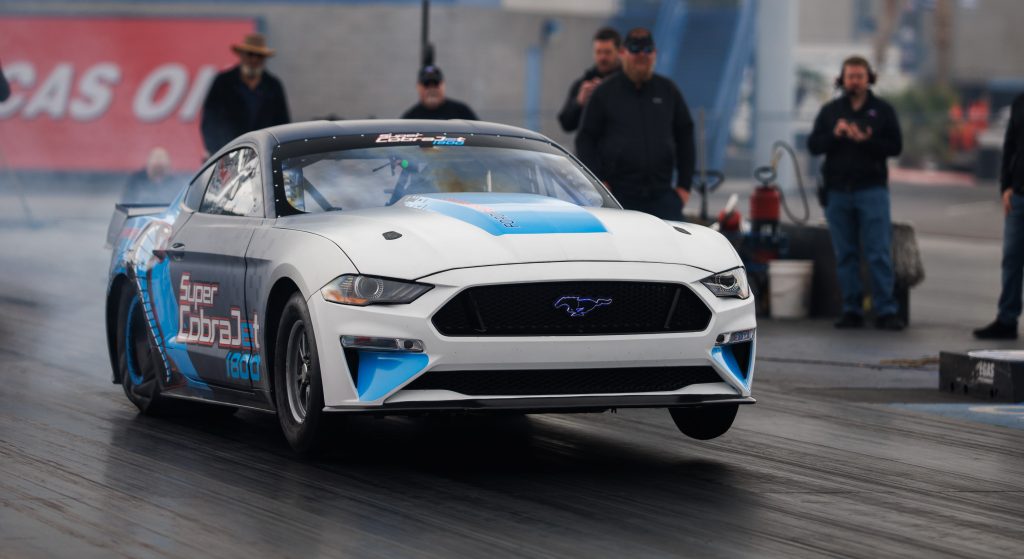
{"points": [[235, 188], [197, 188]]}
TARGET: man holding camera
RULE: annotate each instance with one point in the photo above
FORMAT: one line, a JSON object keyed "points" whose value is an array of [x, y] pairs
{"points": [[857, 133], [606, 62]]}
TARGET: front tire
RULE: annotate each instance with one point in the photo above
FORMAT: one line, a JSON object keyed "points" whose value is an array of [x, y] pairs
{"points": [[706, 422], [298, 390]]}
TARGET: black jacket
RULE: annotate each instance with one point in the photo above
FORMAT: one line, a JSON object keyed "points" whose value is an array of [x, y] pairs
{"points": [[569, 116], [1012, 175], [226, 115], [851, 165], [447, 110], [632, 137]]}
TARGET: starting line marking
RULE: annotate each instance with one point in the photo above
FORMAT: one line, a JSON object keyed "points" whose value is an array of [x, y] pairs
{"points": [[1007, 415]]}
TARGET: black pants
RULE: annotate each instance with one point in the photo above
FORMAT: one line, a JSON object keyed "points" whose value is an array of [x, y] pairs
{"points": [[667, 206]]}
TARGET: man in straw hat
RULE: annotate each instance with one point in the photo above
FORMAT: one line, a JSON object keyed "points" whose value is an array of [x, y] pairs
{"points": [[243, 98]]}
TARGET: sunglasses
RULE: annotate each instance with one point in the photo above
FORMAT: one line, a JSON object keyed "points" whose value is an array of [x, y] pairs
{"points": [[431, 83], [637, 48]]}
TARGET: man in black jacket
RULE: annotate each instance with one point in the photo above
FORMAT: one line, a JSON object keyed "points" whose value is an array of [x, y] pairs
{"points": [[856, 133], [606, 62], [1011, 182], [434, 104], [635, 129], [243, 98]]}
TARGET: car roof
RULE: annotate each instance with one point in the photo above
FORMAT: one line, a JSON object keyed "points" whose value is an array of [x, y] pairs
{"points": [[323, 128], [267, 138]]}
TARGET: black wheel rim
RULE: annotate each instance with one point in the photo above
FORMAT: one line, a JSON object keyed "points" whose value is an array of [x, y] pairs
{"points": [[298, 372]]}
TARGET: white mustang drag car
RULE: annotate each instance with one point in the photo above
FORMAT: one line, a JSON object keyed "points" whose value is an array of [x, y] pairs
{"points": [[421, 266]]}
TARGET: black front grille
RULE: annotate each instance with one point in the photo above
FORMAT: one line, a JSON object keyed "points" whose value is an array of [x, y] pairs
{"points": [[546, 309], [560, 381]]}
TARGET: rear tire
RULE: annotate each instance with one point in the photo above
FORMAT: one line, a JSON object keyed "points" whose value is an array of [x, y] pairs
{"points": [[705, 422], [298, 391], [140, 367], [137, 360]]}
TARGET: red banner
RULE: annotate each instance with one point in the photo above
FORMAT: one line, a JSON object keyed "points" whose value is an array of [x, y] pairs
{"points": [[97, 94]]}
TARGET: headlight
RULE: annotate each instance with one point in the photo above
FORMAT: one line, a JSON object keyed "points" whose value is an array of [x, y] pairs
{"points": [[731, 283], [352, 289]]}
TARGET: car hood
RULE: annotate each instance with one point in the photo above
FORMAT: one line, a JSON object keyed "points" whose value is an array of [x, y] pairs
{"points": [[439, 232]]}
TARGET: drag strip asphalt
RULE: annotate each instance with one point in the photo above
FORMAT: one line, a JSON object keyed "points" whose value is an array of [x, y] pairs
{"points": [[801, 474]]}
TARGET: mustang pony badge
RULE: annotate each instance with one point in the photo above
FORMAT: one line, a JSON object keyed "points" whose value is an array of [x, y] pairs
{"points": [[579, 306]]}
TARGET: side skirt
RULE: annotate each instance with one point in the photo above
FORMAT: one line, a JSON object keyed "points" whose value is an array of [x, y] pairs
{"points": [[255, 400]]}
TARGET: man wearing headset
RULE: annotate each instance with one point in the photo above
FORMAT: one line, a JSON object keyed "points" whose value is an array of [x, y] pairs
{"points": [[856, 133]]}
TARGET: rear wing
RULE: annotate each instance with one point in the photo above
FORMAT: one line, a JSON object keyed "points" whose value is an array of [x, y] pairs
{"points": [[122, 212]]}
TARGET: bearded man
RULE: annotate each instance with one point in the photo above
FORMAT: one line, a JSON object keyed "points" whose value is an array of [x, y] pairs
{"points": [[434, 105], [636, 128], [606, 45], [243, 98]]}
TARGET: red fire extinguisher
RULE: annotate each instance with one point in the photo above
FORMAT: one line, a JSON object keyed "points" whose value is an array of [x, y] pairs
{"points": [[765, 203]]}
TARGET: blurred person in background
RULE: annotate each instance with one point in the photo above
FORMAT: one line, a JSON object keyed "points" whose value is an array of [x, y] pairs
{"points": [[5, 88], [1011, 183], [856, 133], [434, 105], [243, 98], [606, 62], [635, 128], [154, 184]]}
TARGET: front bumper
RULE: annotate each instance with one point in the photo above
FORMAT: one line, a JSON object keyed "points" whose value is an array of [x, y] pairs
{"points": [[379, 383]]}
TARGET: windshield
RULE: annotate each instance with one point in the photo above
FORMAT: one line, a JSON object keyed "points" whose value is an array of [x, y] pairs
{"points": [[372, 177]]}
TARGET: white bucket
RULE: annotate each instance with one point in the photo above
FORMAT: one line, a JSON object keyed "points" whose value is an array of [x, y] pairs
{"points": [[789, 283]]}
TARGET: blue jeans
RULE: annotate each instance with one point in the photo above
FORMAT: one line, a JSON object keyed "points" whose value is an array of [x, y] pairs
{"points": [[1013, 262], [861, 217]]}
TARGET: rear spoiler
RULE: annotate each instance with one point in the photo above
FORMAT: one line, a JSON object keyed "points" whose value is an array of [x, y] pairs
{"points": [[122, 212]]}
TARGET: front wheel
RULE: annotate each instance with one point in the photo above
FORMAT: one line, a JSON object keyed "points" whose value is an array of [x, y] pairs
{"points": [[298, 390], [706, 422]]}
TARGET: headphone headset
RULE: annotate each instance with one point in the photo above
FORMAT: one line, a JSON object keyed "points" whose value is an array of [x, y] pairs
{"points": [[856, 61]]}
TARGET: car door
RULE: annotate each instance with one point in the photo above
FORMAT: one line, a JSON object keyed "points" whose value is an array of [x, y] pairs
{"points": [[208, 272]]}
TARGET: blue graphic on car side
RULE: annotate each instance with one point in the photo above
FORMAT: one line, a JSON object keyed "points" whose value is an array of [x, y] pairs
{"points": [[580, 306], [242, 365], [165, 306], [381, 372], [510, 214], [150, 271]]}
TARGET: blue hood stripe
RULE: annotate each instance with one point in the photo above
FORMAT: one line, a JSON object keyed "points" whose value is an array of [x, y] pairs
{"points": [[510, 214]]}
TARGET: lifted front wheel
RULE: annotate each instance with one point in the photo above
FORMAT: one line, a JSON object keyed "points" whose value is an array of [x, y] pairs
{"points": [[705, 422]]}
